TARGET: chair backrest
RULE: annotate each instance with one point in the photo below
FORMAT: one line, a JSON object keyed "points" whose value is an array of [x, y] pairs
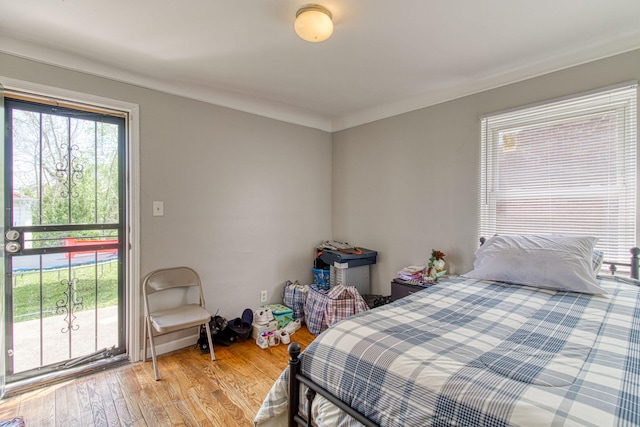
{"points": [[171, 278]]}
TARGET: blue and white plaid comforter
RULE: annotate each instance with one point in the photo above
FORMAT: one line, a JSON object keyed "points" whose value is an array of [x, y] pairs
{"points": [[475, 353]]}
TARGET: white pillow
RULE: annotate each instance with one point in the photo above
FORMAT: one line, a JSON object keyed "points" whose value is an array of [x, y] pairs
{"points": [[597, 259], [545, 261]]}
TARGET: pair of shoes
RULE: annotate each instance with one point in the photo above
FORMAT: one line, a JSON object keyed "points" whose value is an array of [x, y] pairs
{"points": [[292, 326], [284, 336], [263, 315], [226, 338], [242, 326]]}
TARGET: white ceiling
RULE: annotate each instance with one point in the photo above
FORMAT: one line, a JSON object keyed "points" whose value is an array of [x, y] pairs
{"points": [[385, 57]]}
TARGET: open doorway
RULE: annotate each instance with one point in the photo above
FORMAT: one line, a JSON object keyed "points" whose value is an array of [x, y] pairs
{"points": [[67, 236]]}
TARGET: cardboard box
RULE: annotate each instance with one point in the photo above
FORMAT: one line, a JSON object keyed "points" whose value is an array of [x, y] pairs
{"points": [[256, 330]]}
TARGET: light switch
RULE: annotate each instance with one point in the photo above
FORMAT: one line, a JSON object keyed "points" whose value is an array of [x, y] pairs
{"points": [[158, 208]]}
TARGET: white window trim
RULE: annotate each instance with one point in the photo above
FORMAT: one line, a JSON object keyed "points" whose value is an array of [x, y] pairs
{"points": [[487, 194]]}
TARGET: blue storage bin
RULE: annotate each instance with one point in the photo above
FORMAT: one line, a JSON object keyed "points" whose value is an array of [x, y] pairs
{"points": [[322, 278]]}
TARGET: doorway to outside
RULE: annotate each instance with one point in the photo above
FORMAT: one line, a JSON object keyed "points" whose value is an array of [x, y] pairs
{"points": [[65, 236]]}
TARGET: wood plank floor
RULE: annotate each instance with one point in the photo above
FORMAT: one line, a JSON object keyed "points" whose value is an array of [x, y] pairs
{"points": [[192, 391]]}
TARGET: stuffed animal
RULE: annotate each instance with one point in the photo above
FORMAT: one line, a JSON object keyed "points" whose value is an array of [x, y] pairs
{"points": [[436, 266]]}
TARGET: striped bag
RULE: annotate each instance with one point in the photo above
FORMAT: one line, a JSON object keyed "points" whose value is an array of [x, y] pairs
{"points": [[324, 308], [294, 296]]}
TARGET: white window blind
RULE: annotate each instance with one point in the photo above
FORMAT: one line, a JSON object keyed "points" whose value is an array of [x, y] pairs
{"points": [[563, 167]]}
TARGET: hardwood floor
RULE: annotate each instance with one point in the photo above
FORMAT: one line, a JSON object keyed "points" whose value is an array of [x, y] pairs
{"points": [[192, 391]]}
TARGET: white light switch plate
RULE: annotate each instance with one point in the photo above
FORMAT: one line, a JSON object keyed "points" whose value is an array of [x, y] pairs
{"points": [[158, 208]]}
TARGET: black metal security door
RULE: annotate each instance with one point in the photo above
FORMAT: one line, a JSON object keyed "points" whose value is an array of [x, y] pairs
{"points": [[64, 237]]}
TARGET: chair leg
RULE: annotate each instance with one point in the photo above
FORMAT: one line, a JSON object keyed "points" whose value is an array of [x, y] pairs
{"points": [[144, 349], [152, 344], [206, 326]]}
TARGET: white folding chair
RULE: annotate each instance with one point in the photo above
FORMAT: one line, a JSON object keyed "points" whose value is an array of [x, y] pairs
{"points": [[182, 306]]}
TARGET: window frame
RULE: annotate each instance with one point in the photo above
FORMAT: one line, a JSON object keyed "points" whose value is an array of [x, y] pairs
{"points": [[620, 98]]}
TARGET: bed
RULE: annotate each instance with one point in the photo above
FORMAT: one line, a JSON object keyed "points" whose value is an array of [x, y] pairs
{"points": [[477, 351]]}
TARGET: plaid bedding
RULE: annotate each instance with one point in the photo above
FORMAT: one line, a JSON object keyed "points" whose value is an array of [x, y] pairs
{"points": [[475, 353]]}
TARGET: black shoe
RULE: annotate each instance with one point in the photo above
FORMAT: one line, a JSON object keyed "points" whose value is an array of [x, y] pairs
{"points": [[203, 342]]}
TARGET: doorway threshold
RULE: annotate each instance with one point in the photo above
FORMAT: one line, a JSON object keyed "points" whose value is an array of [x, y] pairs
{"points": [[51, 378]]}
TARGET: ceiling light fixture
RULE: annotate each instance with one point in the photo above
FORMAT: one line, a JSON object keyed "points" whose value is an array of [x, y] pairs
{"points": [[313, 23]]}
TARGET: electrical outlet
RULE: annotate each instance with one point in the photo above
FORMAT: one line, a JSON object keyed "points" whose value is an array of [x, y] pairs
{"points": [[263, 296]]}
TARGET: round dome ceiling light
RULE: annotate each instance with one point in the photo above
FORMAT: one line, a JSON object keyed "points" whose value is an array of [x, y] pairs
{"points": [[313, 23]]}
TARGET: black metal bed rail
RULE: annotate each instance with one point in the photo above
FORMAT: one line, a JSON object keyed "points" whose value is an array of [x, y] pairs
{"points": [[634, 265], [296, 378]]}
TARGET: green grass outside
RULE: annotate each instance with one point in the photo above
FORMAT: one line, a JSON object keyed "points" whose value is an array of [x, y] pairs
{"points": [[28, 292]]}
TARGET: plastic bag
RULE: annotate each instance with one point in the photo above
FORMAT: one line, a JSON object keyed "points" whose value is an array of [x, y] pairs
{"points": [[325, 308]]}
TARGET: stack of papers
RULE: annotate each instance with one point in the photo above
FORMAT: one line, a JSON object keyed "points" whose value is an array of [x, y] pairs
{"points": [[412, 272]]}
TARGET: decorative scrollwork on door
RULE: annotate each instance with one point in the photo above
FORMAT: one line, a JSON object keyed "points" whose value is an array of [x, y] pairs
{"points": [[69, 171], [69, 304]]}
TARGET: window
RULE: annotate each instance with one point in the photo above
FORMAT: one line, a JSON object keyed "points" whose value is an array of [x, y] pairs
{"points": [[564, 167]]}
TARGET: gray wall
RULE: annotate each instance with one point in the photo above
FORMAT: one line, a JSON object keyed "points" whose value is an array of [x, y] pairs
{"points": [[409, 184], [246, 198]]}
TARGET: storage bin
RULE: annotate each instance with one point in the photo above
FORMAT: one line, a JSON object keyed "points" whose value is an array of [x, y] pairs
{"points": [[349, 260], [257, 330], [282, 314], [322, 278], [356, 276]]}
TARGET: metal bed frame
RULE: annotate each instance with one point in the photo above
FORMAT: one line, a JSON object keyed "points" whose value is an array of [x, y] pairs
{"points": [[296, 378]]}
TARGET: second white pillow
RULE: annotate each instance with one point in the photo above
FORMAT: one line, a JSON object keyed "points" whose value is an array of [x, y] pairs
{"points": [[545, 261]]}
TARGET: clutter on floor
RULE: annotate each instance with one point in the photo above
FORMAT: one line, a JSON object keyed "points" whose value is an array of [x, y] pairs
{"points": [[340, 289], [224, 332]]}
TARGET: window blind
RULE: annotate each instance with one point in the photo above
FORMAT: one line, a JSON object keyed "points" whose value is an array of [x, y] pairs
{"points": [[563, 167]]}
